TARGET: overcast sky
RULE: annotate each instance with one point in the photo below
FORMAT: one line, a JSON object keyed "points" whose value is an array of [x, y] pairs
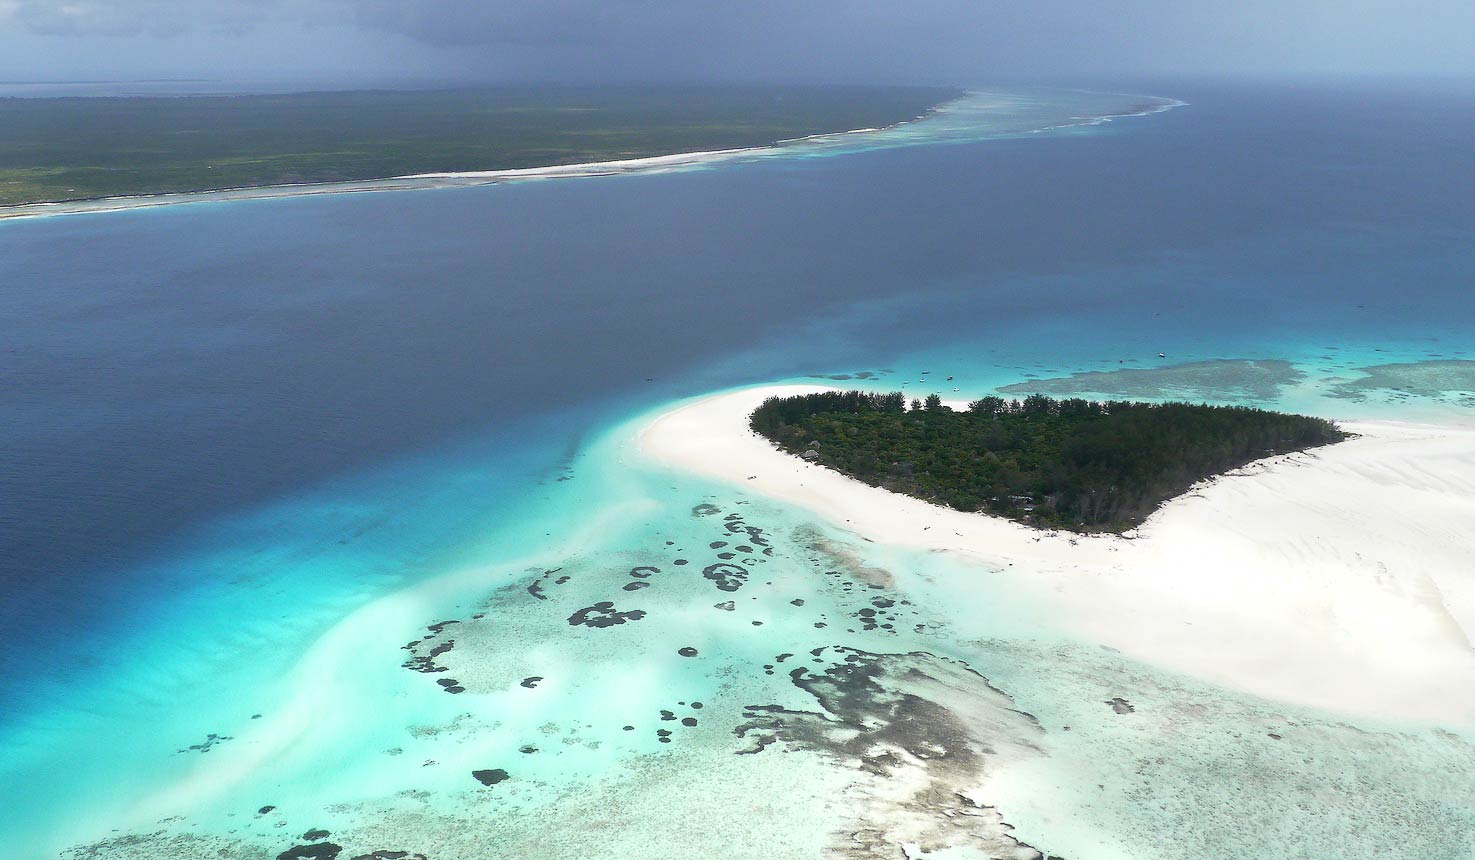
{"points": [[921, 41]]}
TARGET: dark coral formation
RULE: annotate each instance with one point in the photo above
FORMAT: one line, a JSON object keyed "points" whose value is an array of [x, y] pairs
{"points": [[426, 662], [735, 525], [604, 614], [205, 746], [535, 588], [934, 720], [727, 577], [315, 851], [491, 776]]}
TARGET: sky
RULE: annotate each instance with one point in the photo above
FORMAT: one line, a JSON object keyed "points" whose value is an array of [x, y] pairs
{"points": [[818, 41]]}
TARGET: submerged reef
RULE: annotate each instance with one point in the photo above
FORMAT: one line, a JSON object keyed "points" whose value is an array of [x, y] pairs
{"points": [[829, 707], [1221, 379], [923, 730], [1435, 379]]}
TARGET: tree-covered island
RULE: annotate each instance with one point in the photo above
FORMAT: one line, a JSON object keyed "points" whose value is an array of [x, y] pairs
{"points": [[1072, 464], [54, 149]]}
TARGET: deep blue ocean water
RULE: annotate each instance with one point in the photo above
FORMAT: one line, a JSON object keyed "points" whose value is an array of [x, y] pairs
{"points": [[225, 425]]}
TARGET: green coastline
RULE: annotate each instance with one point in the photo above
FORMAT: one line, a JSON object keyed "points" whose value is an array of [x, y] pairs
{"points": [[68, 149]]}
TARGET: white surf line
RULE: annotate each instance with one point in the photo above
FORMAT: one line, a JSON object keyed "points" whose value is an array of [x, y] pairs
{"points": [[1340, 578]]}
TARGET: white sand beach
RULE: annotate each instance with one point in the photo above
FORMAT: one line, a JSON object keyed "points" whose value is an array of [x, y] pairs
{"points": [[1342, 578], [435, 180], [971, 117], [412, 182]]}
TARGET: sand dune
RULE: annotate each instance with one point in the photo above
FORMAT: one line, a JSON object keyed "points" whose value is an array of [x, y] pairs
{"points": [[1342, 578]]}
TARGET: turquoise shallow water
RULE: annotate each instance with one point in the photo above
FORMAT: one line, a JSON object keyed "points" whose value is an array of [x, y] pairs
{"points": [[386, 758], [309, 498]]}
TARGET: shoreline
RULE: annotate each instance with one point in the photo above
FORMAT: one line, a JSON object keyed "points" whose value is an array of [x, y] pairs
{"points": [[1334, 579], [479, 178], [429, 181], [409, 182]]}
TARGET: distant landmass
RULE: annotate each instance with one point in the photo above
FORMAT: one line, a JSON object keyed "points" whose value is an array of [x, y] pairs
{"points": [[61, 149], [1074, 464]]}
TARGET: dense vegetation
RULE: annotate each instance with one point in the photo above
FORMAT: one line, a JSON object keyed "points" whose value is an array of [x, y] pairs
{"points": [[77, 148], [1072, 464]]}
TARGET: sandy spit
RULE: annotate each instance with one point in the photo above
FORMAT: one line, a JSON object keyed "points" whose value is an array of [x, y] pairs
{"points": [[1342, 578]]}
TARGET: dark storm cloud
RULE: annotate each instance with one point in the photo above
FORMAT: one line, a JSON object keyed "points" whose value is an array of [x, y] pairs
{"points": [[951, 38], [799, 39], [159, 18]]}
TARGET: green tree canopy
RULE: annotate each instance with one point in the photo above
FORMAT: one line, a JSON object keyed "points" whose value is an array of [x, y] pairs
{"points": [[1074, 464]]}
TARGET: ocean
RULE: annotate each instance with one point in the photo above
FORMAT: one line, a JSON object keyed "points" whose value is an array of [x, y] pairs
{"points": [[254, 448]]}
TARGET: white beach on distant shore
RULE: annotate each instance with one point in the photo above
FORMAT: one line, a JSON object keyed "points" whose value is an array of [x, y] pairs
{"points": [[978, 102], [413, 182], [436, 180], [1341, 578]]}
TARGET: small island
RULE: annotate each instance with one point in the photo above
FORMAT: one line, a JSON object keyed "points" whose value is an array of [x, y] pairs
{"points": [[1073, 464]]}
